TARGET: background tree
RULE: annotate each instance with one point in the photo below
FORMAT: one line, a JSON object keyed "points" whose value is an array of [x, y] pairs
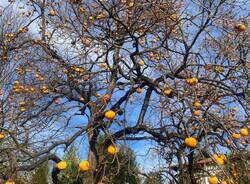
{"points": [[154, 177], [41, 174], [71, 175], [121, 169], [237, 168]]}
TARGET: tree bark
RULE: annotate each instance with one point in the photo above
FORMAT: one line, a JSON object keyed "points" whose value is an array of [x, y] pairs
{"points": [[92, 156], [191, 168]]}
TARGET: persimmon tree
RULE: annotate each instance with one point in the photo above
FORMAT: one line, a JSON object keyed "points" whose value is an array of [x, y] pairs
{"points": [[172, 72]]}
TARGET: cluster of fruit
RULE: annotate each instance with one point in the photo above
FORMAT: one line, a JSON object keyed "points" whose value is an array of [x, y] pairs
{"points": [[85, 165]]}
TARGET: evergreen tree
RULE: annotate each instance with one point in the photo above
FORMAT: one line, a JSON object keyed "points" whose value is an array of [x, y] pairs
{"points": [[41, 174], [118, 169], [71, 175], [121, 169]]}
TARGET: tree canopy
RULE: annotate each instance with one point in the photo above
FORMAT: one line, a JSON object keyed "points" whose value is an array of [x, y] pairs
{"points": [[170, 74]]}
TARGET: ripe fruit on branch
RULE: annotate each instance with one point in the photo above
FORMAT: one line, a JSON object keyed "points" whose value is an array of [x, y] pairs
{"points": [[197, 113], [52, 12], [236, 135], [22, 103], [62, 165], [81, 99], [81, 9], [138, 90], [192, 81], [167, 92], [106, 98], [10, 182], [243, 142], [197, 105], [2, 135], [240, 27], [219, 69], [244, 132], [84, 165], [131, 4], [222, 156], [45, 89], [112, 150], [141, 62], [22, 109], [110, 115], [174, 17], [91, 19], [101, 16], [202, 120], [219, 159], [16, 83], [23, 30], [17, 87], [191, 142], [56, 101], [213, 180]]}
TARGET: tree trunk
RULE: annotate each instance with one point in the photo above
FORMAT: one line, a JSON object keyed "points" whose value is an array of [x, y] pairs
{"points": [[180, 166], [190, 168], [92, 156]]}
